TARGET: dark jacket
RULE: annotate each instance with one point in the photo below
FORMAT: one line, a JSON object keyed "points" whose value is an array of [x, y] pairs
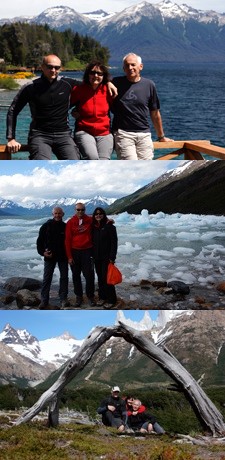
{"points": [[49, 104], [118, 403], [105, 242], [136, 421], [52, 237]]}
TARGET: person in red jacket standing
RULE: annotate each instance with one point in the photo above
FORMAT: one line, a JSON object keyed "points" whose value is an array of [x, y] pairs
{"points": [[79, 250], [92, 101]]}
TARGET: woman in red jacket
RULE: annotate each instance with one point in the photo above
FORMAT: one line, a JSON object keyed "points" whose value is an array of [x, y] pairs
{"points": [[92, 102]]}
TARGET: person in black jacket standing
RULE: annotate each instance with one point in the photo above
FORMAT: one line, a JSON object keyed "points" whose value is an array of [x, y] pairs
{"points": [[105, 249], [51, 245]]}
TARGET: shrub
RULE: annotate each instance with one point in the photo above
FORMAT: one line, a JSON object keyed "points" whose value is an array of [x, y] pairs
{"points": [[8, 83]]}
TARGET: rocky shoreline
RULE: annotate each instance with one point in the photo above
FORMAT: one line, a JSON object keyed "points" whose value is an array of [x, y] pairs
{"points": [[23, 81], [24, 293]]}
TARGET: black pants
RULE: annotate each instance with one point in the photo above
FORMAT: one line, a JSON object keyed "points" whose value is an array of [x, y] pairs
{"points": [[105, 291], [83, 263], [110, 420], [41, 146], [49, 267]]}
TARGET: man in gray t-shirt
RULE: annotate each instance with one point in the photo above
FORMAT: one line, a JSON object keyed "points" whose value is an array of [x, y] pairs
{"points": [[137, 99]]}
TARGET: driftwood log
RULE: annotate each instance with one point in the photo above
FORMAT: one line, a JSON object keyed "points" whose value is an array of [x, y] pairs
{"points": [[208, 414]]}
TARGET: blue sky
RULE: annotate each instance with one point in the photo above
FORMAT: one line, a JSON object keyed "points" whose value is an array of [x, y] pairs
{"points": [[47, 324], [23, 181], [27, 8]]}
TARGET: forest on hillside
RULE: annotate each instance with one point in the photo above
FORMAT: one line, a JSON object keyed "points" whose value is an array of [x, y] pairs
{"points": [[23, 45], [171, 408]]}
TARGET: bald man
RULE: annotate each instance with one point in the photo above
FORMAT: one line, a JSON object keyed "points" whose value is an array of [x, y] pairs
{"points": [[51, 245], [49, 99]]}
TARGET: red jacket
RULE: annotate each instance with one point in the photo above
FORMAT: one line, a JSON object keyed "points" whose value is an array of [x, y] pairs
{"points": [[141, 409], [93, 107], [78, 234]]}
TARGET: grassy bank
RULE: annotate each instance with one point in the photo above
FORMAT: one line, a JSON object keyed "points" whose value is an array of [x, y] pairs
{"points": [[80, 442], [8, 83], [11, 81]]}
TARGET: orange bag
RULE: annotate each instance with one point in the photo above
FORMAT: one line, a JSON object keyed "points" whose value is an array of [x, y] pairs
{"points": [[114, 276]]}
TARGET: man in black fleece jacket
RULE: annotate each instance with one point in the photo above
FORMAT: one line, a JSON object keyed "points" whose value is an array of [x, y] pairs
{"points": [[51, 245], [49, 99], [113, 410]]}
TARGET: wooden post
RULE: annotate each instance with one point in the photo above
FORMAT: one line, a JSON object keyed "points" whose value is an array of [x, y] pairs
{"points": [[53, 412]]}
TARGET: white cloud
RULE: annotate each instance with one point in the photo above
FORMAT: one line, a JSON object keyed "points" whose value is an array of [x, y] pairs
{"points": [[81, 179]]}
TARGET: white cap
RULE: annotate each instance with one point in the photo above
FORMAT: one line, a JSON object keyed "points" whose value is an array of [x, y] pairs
{"points": [[116, 388]]}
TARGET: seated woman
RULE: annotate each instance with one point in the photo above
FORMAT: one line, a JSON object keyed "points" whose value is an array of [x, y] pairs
{"points": [[129, 401], [92, 101]]}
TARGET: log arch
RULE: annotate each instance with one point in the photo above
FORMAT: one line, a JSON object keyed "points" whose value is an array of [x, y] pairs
{"points": [[208, 414]]}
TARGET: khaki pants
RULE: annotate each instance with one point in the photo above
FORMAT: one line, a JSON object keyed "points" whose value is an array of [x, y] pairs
{"points": [[133, 146]]}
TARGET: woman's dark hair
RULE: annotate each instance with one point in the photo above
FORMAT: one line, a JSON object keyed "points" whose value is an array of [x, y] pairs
{"points": [[102, 211], [101, 66]]}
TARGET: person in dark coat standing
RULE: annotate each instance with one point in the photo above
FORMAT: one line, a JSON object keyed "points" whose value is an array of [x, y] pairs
{"points": [[105, 243], [51, 245]]}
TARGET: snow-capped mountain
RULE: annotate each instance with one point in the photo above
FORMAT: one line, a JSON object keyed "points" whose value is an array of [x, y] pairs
{"points": [[44, 206], [63, 17], [146, 323], [196, 187], [99, 15], [54, 350], [27, 358], [8, 204], [164, 31], [196, 338]]}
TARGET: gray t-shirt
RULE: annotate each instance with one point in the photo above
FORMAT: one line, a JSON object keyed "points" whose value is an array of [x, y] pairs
{"points": [[132, 105]]}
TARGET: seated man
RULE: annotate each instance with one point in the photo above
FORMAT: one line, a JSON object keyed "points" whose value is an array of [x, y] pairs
{"points": [[48, 97], [139, 420], [113, 410]]}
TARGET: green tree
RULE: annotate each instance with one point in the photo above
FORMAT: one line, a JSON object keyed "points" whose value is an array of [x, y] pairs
{"points": [[25, 44]]}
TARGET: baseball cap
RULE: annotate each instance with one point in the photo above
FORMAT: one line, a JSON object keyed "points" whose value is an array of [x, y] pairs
{"points": [[115, 388]]}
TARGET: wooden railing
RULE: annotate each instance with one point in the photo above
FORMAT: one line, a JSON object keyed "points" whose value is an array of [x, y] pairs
{"points": [[192, 150]]}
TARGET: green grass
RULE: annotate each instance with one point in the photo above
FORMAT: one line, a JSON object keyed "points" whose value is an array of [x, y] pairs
{"points": [[37, 442], [8, 83], [75, 64]]}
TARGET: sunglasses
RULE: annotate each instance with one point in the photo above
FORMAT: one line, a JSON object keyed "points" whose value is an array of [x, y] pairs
{"points": [[95, 72], [80, 209], [98, 214], [51, 67]]}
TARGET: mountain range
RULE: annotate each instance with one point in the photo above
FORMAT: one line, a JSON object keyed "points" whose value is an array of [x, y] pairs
{"points": [[196, 338], [44, 207], [26, 359], [195, 187], [161, 32]]}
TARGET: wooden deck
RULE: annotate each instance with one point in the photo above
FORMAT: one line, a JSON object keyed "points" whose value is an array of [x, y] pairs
{"points": [[192, 150]]}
